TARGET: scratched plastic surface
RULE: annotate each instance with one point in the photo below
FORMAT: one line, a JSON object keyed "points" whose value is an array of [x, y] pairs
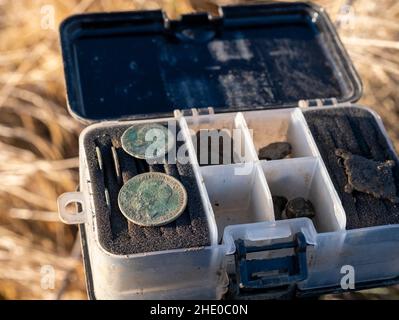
{"points": [[250, 57]]}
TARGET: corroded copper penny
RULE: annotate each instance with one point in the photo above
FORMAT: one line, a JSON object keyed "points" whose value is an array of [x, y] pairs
{"points": [[152, 199], [147, 141]]}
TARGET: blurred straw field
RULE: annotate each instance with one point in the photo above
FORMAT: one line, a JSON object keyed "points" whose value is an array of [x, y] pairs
{"points": [[39, 139]]}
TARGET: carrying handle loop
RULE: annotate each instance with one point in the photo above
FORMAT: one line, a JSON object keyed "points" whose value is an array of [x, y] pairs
{"points": [[65, 215]]}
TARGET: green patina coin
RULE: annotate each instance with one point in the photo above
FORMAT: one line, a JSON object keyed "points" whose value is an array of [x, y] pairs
{"points": [[152, 199], [147, 141]]}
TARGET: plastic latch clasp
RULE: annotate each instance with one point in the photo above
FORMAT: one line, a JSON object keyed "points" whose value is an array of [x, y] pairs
{"points": [[283, 270], [68, 217]]}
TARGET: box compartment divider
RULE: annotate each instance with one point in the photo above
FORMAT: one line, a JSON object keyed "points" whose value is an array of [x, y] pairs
{"points": [[238, 194], [200, 181], [306, 178]]}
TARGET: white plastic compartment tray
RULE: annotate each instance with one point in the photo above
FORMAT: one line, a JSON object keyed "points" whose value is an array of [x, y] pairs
{"points": [[238, 202]]}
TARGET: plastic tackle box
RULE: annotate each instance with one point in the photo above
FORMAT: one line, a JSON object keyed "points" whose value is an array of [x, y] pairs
{"points": [[263, 69]]}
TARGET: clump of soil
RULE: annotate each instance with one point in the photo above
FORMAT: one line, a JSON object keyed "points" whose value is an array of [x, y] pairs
{"points": [[275, 151]]}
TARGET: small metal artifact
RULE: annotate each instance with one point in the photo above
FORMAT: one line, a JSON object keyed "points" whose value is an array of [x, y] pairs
{"points": [[279, 204], [209, 153], [147, 141], [152, 199], [298, 208], [369, 176], [275, 151]]}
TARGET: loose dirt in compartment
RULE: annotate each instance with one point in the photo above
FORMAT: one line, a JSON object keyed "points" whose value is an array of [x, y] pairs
{"points": [[356, 131]]}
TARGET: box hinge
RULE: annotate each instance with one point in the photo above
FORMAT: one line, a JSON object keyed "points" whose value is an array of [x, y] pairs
{"points": [[193, 112], [265, 269], [328, 102]]}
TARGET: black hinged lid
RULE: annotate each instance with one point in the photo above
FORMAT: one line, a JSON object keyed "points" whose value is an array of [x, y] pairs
{"points": [[140, 64]]}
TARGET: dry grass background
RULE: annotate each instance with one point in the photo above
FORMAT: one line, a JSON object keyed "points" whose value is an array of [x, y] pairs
{"points": [[38, 138]]}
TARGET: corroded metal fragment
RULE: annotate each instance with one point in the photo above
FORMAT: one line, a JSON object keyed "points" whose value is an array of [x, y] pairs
{"points": [[275, 151], [369, 176], [279, 204], [299, 208]]}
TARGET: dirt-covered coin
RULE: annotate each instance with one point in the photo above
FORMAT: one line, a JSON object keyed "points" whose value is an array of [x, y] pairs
{"points": [[275, 151], [152, 199], [369, 176], [298, 208], [147, 141]]}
